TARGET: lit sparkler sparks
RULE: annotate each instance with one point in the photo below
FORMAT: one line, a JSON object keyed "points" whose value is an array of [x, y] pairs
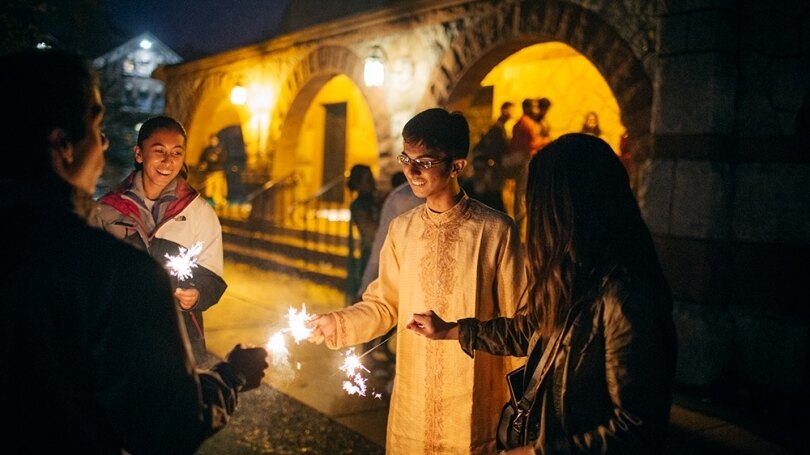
{"points": [[356, 381], [297, 323], [277, 345], [280, 357], [181, 265]]}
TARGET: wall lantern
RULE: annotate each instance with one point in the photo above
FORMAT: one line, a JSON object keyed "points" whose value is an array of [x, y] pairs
{"points": [[374, 68], [146, 44], [238, 95]]}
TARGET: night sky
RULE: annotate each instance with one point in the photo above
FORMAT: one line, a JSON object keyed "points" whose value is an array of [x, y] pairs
{"points": [[200, 27]]}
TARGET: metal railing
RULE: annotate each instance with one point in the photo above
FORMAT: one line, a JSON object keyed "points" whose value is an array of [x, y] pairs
{"points": [[311, 233], [324, 223], [272, 201]]}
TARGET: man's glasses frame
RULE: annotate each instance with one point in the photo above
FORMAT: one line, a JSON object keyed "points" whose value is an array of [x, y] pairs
{"points": [[422, 163]]}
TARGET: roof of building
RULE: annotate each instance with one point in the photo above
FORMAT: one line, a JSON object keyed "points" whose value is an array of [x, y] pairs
{"points": [[157, 46]]}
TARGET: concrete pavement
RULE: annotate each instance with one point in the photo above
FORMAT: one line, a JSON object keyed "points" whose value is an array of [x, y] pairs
{"points": [[303, 409]]}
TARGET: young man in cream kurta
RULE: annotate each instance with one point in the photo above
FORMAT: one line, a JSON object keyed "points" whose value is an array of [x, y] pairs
{"points": [[453, 254]]}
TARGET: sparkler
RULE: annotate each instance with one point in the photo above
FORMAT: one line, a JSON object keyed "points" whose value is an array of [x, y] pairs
{"points": [[277, 345], [181, 265], [297, 323], [356, 381]]}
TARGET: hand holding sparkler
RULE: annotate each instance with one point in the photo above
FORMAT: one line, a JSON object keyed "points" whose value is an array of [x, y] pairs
{"points": [[323, 328], [187, 297], [250, 363], [181, 265]]}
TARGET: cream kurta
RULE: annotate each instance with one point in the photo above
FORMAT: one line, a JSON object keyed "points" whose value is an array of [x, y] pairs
{"points": [[462, 263]]}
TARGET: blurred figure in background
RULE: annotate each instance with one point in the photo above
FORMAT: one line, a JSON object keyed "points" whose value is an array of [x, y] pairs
{"points": [[591, 125], [530, 134], [482, 186], [212, 164], [494, 145], [365, 217]]}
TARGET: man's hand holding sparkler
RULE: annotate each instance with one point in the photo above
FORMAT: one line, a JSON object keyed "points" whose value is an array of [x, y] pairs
{"points": [[250, 363], [323, 328]]}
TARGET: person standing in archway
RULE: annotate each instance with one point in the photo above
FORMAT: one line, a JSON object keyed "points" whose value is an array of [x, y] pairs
{"points": [[531, 133], [591, 125], [212, 164], [365, 216], [494, 145]]}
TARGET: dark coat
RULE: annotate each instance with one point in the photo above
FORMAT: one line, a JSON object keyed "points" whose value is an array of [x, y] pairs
{"points": [[93, 353]]}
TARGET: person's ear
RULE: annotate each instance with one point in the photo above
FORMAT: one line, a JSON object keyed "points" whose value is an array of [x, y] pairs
{"points": [[60, 145], [458, 166], [138, 154]]}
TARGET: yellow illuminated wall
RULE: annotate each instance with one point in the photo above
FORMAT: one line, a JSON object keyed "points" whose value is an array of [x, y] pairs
{"points": [[361, 140], [558, 72]]}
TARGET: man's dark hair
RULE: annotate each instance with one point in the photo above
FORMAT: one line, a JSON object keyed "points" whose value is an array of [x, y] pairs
{"points": [[439, 130], [42, 91]]}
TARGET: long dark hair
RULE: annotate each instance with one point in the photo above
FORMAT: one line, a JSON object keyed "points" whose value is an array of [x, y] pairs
{"points": [[583, 222]]}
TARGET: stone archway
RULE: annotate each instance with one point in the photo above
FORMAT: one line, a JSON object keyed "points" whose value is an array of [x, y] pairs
{"points": [[211, 112], [307, 78], [512, 27]]}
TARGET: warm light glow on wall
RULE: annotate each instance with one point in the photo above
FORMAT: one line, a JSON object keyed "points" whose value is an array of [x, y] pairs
{"points": [[374, 68], [260, 98]]}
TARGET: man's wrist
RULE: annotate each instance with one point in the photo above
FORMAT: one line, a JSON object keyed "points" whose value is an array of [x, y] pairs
{"points": [[230, 375]]}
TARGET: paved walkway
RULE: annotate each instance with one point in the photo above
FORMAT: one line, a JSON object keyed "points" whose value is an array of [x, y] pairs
{"points": [[302, 408]]}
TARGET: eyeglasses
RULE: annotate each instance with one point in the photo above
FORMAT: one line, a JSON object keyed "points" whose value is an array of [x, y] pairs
{"points": [[423, 163]]}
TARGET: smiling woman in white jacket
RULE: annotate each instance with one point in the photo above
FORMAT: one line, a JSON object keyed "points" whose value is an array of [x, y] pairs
{"points": [[156, 210]]}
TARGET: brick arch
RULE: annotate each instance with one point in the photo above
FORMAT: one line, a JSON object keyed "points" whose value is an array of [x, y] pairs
{"points": [[512, 27], [307, 78]]}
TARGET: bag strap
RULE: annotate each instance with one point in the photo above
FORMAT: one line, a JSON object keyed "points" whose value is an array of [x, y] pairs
{"points": [[549, 354], [526, 401]]}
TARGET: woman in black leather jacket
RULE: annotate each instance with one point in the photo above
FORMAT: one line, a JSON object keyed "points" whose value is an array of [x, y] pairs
{"points": [[596, 283]]}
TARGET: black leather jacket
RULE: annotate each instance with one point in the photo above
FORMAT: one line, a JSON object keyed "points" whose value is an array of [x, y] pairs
{"points": [[612, 377]]}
